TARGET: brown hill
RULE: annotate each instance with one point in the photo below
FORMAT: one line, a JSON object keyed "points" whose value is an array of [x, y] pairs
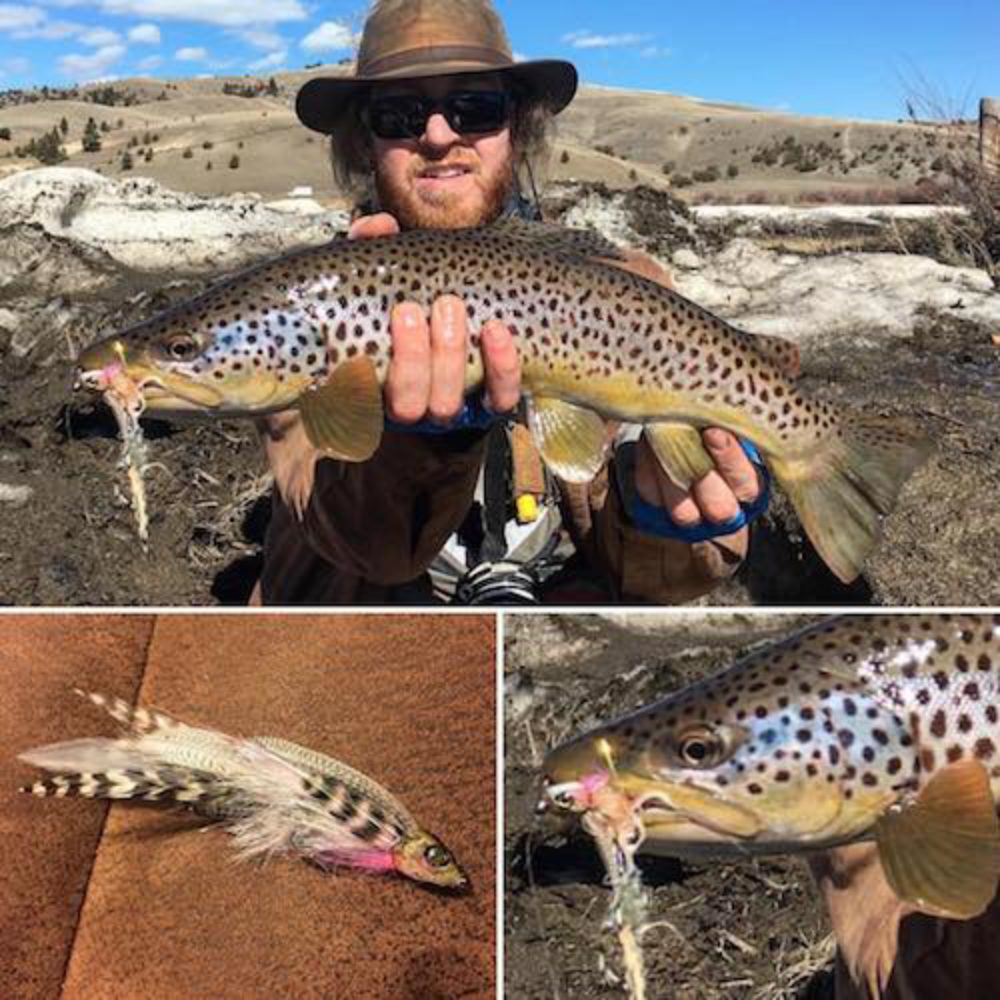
{"points": [[202, 135]]}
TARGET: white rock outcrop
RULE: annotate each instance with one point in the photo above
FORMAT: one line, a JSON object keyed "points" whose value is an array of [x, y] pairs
{"points": [[143, 225], [809, 298]]}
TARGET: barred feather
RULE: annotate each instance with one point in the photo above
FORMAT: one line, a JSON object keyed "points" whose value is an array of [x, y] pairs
{"points": [[274, 796]]}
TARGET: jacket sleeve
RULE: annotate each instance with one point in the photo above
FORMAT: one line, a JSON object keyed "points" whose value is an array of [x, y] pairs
{"points": [[638, 566], [383, 520]]}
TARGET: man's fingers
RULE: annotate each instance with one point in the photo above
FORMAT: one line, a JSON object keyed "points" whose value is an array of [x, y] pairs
{"points": [[408, 384], [501, 366], [449, 346], [366, 227], [736, 470], [714, 498], [656, 487]]}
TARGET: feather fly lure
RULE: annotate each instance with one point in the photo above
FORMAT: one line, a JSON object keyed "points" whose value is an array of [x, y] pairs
{"points": [[275, 797]]}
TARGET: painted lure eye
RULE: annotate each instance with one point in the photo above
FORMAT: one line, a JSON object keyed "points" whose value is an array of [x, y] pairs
{"points": [[437, 856], [181, 347]]}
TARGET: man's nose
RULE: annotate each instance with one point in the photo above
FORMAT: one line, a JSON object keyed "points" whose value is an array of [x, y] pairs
{"points": [[438, 132]]}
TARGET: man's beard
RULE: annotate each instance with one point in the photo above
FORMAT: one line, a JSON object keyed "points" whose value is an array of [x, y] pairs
{"points": [[448, 211]]}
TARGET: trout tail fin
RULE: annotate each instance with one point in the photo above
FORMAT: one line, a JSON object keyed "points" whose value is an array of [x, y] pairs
{"points": [[841, 490]]}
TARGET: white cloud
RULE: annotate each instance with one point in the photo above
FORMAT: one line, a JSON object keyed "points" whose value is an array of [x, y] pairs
{"points": [[145, 34], [50, 31], [191, 53], [226, 13], [150, 62], [91, 65], [329, 37], [99, 37], [16, 17], [271, 61], [260, 38], [654, 52], [588, 40]]}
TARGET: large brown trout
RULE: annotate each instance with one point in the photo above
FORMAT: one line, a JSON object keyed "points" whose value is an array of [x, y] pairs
{"points": [[864, 727], [311, 330]]}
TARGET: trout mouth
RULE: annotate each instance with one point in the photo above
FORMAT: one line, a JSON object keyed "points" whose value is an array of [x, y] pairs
{"points": [[677, 811]]}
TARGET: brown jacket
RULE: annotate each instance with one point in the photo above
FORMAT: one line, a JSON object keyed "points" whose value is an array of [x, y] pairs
{"points": [[886, 951], [366, 533]]}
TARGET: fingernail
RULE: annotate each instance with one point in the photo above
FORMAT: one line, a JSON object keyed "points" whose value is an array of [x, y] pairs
{"points": [[408, 314], [716, 438]]}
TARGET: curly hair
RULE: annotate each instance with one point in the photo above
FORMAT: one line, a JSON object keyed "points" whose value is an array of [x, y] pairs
{"points": [[532, 132]]}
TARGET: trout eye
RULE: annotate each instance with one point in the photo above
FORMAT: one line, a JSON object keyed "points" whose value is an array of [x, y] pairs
{"points": [[699, 749], [436, 856], [181, 347]]}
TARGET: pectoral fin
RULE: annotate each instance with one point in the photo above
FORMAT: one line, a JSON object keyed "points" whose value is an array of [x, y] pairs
{"points": [[942, 853], [680, 452], [572, 441], [343, 418]]}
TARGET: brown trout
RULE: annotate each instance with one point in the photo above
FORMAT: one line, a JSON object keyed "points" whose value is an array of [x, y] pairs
{"points": [[274, 796], [864, 727], [311, 330]]}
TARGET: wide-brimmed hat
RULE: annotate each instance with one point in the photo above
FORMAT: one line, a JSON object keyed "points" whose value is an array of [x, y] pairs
{"points": [[410, 39]]}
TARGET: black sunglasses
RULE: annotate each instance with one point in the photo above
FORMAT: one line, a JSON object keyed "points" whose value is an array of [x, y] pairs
{"points": [[468, 112]]}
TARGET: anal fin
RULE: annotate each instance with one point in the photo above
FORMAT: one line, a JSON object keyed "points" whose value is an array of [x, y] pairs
{"points": [[680, 452], [941, 854], [573, 441], [344, 417]]}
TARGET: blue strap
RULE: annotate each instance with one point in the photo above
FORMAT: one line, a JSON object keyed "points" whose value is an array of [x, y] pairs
{"points": [[652, 520], [473, 416]]}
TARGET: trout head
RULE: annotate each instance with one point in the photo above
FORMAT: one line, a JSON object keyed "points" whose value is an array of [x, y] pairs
{"points": [[424, 858], [760, 759], [184, 362]]}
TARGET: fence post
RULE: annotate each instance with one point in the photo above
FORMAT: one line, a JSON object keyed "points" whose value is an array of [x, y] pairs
{"points": [[989, 134]]}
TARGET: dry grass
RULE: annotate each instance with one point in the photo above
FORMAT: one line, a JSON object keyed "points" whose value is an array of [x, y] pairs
{"points": [[219, 534]]}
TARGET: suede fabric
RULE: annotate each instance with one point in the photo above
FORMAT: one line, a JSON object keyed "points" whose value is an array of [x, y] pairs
{"points": [[48, 853], [170, 913]]}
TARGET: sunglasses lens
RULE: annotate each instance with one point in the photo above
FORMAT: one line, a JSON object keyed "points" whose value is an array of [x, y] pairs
{"points": [[467, 112], [476, 111], [399, 117]]}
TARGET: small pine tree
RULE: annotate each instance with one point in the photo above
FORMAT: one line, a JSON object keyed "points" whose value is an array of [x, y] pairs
{"points": [[564, 156], [149, 155], [64, 126], [234, 162], [5, 134], [188, 153], [91, 137], [105, 126], [126, 160], [272, 87], [208, 164]]}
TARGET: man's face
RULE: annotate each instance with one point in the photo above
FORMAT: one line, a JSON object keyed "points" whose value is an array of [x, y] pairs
{"points": [[443, 179]]}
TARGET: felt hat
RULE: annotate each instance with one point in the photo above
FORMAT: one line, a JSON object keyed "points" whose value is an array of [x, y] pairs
{"points": [[410, 39]]}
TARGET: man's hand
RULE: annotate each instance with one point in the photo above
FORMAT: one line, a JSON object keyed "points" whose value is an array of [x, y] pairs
{"points": [[427, 373], [714, 498]]}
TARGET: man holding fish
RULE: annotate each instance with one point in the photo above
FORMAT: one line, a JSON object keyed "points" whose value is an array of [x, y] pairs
{"points": [[431, 149], [439, 122]]}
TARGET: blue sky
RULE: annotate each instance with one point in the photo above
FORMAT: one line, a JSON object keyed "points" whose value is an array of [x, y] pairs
{"points": [[849, 58]]}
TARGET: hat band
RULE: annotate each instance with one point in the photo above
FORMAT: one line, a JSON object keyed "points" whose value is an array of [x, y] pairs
{"points": [[421, 58]]}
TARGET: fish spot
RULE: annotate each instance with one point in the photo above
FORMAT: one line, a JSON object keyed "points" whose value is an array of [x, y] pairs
{"points": [[985, 748], [939, 724], [955, 753]]}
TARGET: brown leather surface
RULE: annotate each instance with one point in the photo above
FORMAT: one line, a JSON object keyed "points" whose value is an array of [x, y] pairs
{"points": [[169, 913], [48, 853]]}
